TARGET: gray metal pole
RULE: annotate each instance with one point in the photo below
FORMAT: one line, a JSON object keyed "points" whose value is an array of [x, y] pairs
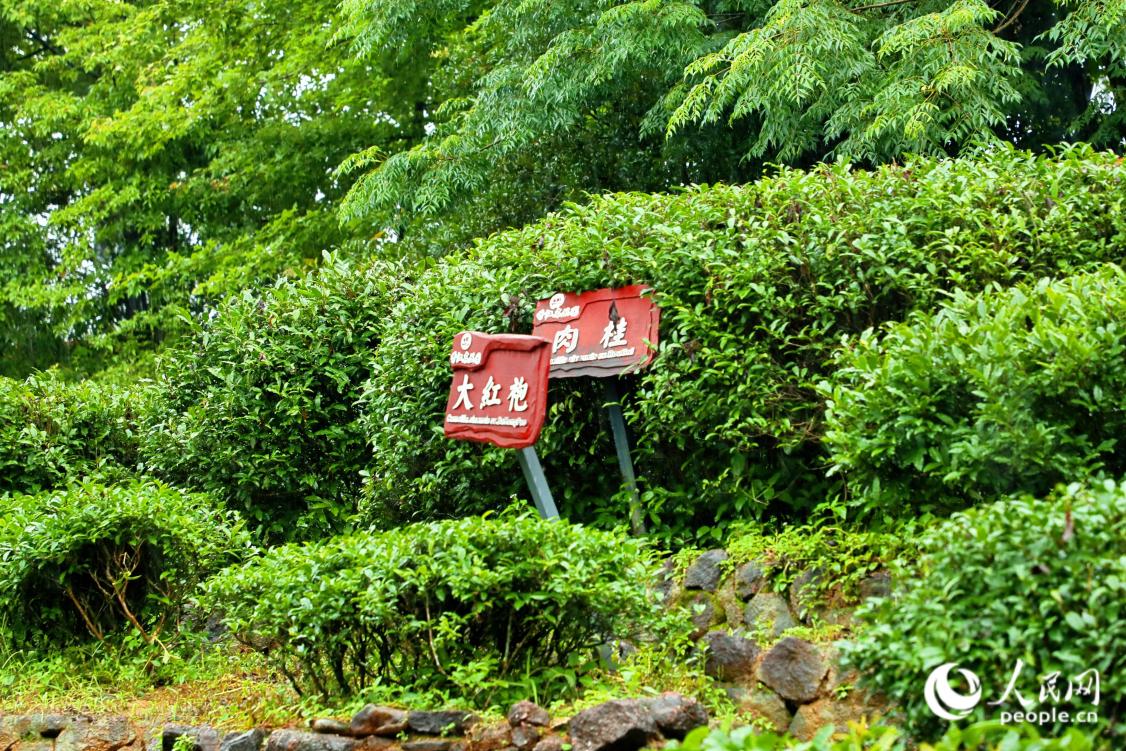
{"points": [[537, 483], [625, 461]]}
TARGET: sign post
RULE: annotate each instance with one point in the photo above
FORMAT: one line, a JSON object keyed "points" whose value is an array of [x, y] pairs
{"points": [[604, 333], [499, 396]]}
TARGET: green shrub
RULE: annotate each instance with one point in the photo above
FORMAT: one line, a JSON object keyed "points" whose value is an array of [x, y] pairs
{"points": [[52, 431], [258, 407], [1009, 391], [1041, 581], [90, 560], [474, 607], [758, 284], [980, 736]]}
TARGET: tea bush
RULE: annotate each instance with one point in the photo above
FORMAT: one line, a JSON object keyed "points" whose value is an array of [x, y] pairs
{"points": [[1042, 582], [1008, 391], [258, 407], [90, 560], [477, 607], [52, 431], [758, 284]]}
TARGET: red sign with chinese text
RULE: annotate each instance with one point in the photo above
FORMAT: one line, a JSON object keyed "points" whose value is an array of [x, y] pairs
{"points": [[499, 389], [604, 332]]}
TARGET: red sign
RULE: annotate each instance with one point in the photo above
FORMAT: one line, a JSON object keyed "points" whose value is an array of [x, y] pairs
{"points": [[499, 390], [605, 332]]}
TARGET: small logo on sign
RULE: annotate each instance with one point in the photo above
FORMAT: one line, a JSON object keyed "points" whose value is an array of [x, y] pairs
{"points": [[943, 700], [466, 340], [556, 301]]}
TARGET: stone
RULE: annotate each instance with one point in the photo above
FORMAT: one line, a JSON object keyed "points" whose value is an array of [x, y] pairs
{"points": [[878, 584], [373, 743], [811, 718], [666, 586], [299, 740], [375, 720], [524, 737], [705, 573], [793, 668], [204, 737], [550, 743], [749, 580], [729, 657], [101, 734], [618, 725], [803, 592], [490, 738], [528, 713], [331, 726], [676, 715], [48, 726], [429, 744], [763, 704], [767, 612], [251, 740], [703, 614], [448, 721]]}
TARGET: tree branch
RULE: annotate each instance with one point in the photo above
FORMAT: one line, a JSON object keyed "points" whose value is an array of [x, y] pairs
{"points": [[873, 6], [1009, 21]]}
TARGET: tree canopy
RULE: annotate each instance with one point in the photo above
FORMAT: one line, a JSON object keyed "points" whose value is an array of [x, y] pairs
{"points": [[156, 156]]}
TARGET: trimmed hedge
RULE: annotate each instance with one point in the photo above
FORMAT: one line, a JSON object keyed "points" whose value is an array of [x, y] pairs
{"points": [[52, 431], [258, 408], [1004, 392], [484, 608], [758, 285], [88, 561], [1040, 581]]}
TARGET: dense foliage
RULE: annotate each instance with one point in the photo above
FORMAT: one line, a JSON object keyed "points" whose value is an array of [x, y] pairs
{"points": [[1009, 391], [258, 406], [534, 99], [757, 284], [52, 431], [92, 559], [485, 607], [1037, 581]]}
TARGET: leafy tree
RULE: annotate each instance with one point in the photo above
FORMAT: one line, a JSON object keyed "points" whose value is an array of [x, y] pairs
{"points": [[154, 155], [535, 102]]}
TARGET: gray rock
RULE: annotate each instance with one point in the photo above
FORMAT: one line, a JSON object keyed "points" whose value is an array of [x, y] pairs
{"points": [[705, 572], [803, 592], [449, 721], [431, 744], [203, 737], [251, 740], [729, 656], [375, 720], [373, 743], [676, 715], [703, 614], [619, 725], [665, 585], [749, 580], [528, 713], [330, 726], [794, 668], [48, 726], [769, 613], [299, 740], [490, 738], [763, 704], [876, 585], [550, 743], [524, 737], [101, 734]]}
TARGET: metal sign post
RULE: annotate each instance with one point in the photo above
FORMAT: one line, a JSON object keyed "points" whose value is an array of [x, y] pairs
{"points": [[625, 461], [537, 483]]}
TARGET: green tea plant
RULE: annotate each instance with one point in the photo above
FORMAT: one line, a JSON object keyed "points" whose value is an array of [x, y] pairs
{"points": [[91, 560], [482, 608], [758, 284], [1039, 581], [52, 430], [258, 408], [1003, 392]]}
